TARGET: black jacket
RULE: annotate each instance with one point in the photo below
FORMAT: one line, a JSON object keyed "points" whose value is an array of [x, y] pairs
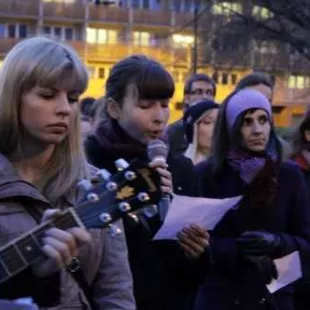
{"points": [[176, 137], [162, 276]]}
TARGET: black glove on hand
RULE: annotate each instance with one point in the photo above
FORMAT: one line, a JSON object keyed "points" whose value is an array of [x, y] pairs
{"points": [[265, 267], [259, 243]]}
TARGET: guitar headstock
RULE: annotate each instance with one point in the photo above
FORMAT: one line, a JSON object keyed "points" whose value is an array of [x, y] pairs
{"points": [[133, 187]]}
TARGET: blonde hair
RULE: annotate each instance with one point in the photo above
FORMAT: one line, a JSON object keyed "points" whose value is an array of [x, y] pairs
{"points": [[47, 63], [192, 152]]}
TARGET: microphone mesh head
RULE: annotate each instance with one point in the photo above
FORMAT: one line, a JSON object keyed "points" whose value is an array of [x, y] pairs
{"points": [[157, 148]]}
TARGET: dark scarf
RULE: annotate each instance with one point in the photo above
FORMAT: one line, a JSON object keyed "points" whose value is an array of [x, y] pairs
{"points": [[117, 143], [248, 164], [259, 172], [303, 160], [258, 200]]}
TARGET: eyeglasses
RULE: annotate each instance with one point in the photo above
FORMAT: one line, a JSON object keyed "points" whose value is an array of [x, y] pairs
{"points": [[200, 92]]}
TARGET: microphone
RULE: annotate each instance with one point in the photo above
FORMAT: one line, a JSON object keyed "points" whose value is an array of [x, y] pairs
{"points": [[157, 151]]}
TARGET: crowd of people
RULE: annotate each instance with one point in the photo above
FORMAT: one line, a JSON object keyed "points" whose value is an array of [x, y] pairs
{"points": [[50, 140]]}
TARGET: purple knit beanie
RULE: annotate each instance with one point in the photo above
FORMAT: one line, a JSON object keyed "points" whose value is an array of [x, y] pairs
{"points": [[242, 101]]}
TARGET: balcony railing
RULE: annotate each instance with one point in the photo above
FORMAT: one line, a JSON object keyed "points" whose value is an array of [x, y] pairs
{"points": [[108, 14], [61, 10], [155, 18], [19, 8], [112, 53]]}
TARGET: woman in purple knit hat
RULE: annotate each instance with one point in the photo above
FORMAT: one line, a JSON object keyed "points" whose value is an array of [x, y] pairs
{"points": [[271, 221]]}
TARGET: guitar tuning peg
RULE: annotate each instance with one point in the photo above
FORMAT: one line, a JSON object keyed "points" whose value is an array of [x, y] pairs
{"points": [[124, 206], [92, 197], [121, 164], [130, 175], [103, 175], [143, 197], [105, 217], [85, 184], [114, 230], [111, 186]]}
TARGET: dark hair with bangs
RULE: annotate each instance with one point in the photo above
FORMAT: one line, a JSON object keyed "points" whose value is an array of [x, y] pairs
{"points": [[222, 141], [150, 78]]}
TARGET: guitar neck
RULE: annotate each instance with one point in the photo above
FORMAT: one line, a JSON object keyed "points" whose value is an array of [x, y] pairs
{"points": [[23, 251]]}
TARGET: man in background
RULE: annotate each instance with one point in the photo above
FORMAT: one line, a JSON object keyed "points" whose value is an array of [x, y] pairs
{"points": [[198, 86]]}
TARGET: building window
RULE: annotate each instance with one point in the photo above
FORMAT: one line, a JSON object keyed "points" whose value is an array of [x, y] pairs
{"points": [[224, 78], [62, 33], [2, 30], [17, 31], [22, 31], [101, 73], [215, 77], [68, 34], [141, 38], [47, 30], [57, 32], [101, 36], [226, 8], [12, 31], [261, 12], [234, 79], [180, 40], [298, 82]]}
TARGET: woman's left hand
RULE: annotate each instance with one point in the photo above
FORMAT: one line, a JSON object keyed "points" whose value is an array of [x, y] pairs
{"points": [[194, 240], [165, 175]]}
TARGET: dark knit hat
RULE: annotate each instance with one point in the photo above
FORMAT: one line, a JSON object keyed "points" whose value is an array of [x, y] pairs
{"points": [[194, 113]]}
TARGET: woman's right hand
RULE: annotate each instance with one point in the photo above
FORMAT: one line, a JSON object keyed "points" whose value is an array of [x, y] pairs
{"points": [[194, 240], [60, 246]]}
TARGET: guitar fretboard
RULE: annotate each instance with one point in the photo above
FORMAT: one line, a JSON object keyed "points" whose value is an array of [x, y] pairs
{"points": [[25, 250]]}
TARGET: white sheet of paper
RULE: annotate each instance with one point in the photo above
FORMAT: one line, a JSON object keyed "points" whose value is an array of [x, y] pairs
{"points": [[184, 211], [289, 270]]}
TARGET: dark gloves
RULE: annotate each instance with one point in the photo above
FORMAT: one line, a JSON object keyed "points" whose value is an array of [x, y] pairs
{"points": [[265, 267], [259, 243]]}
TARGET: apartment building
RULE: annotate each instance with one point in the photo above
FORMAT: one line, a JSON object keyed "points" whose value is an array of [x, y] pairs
{"points": [[104, 31]]}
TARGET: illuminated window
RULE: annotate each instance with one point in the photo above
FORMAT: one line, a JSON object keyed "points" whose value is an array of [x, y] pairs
{"points": [[91, 35], [101, 36], [182, 40], [141, 38], [292, 81], [226, 8], [261, 12], [298, 82]]}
